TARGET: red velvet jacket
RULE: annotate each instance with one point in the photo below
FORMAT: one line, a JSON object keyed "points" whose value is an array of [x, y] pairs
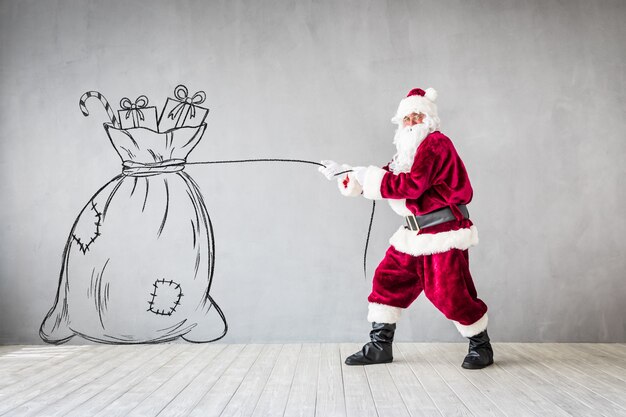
{"points": [[437, 179]]}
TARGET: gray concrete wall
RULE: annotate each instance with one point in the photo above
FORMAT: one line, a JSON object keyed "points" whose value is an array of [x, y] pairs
{"points": [[531, 92]]}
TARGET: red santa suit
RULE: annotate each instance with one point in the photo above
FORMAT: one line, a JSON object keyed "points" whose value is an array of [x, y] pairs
{"points": [[433, 260]]}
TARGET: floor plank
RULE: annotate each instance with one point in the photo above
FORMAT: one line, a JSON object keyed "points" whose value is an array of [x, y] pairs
{"points": [[562, 377], [500, 372], [154, 403], [453, 375], [34, 385], [303, 393], [609, 387], [425, 379], [616, 361], [615, 349], [591, 358], [119, 387], [4, 349], [244, 400], [123, 366], [17, 357], [219, 395], [444, 397], [546, 385], [195, 391], [387, 398], [47, 402], [358, 395], [499, 386], [273, 399], [181, 356], [35, 364], [413, 393], [330, 391], [589, 361]]}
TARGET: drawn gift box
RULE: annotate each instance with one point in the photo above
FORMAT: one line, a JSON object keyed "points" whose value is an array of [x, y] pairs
{"points": [[183, 111], [137, 114]]}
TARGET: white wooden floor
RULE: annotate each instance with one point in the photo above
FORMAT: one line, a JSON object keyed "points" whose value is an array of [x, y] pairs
{"points": [[310, 380]]}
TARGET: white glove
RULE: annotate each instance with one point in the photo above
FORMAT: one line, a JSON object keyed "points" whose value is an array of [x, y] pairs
{"points": [[331, 169], [359, 174]]}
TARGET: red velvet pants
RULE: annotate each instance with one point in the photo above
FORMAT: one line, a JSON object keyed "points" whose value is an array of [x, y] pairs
{"points": [[444, 277]]}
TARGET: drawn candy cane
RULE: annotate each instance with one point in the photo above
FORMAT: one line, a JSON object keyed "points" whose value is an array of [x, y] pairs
{"points": [[105, 103]]}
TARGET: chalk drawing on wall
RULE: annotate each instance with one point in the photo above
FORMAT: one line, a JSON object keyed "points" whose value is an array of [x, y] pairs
{"points": [[139, 260]]}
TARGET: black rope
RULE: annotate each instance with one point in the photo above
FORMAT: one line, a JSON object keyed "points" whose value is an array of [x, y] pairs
{"points": [[234, 161], [367, 240], [302, 161]]}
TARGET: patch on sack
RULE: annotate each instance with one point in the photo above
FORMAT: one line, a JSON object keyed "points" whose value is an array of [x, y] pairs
{"points": [[166, 297], [85, 234]]}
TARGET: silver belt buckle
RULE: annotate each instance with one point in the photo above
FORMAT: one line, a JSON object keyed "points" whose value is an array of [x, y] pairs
{"points": [[411, 222]]}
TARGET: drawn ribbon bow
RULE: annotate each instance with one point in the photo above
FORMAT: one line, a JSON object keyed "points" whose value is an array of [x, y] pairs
{"points": [[186, 103], [134, 108]]}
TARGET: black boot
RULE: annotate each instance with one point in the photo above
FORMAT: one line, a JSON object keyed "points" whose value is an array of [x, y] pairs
{"points": [[480, 353], [379, 349]]}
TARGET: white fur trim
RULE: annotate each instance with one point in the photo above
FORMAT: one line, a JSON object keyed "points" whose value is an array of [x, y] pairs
{"points": [[399, 206], [431, 94], [352, 188], [409, 242], [381, 313], [373, 179], [473, 329], [417, 104]]}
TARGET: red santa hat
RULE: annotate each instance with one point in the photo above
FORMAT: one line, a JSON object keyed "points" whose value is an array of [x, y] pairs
{"points": [[417, 101]]}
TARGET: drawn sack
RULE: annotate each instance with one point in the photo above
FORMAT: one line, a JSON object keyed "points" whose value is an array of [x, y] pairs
{"points": [[138, 263]]}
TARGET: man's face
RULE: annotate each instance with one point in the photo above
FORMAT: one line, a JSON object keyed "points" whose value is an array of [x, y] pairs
{"points": [[413, 119]]}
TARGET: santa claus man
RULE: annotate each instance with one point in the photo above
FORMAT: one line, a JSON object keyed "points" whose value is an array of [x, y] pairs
{"points": [[427, 184]]}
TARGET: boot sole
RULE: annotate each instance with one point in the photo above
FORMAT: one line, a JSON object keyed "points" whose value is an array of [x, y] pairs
{"points": [[367, 363], [465, 365]]}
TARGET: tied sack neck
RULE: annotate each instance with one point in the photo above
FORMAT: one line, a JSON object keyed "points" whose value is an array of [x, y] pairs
{"points": [[137, 169]]}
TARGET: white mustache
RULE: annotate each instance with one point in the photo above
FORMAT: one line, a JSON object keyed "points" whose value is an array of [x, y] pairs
{"points": [[406, 135], [407, 139]]}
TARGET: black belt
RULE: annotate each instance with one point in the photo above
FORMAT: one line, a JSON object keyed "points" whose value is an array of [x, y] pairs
{"points": [[435, 217]]}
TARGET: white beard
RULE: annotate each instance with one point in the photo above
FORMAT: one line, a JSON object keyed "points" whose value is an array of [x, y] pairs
{"points": [[407, 139]]}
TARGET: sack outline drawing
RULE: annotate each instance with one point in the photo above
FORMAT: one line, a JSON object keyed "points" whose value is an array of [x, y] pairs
{"points": [[139, 261]]}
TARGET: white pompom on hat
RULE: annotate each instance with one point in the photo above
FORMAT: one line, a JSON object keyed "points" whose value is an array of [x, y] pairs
{"points": [[417, 101]]}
